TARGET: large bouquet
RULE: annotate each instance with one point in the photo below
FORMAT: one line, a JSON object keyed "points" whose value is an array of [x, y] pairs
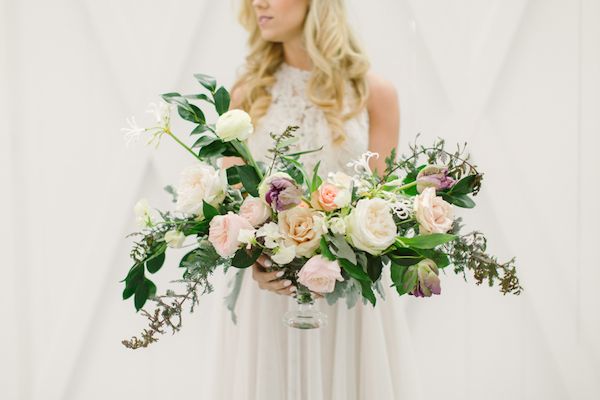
{"points": [[335, 235]]}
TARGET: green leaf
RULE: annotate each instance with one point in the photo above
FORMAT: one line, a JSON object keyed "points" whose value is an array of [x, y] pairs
{"points": [[200, 96], [341, 248], [460, 200], [215, 149], [207, 81], [154, 264], [205, 140], [233, 177], [325, 251], [249, 178], [221, 98], [209, 211], [405, 256], [438, 257], [428, 241], [316, 179], [374, 267], [178, 100], [367, 292], [192, 114], [298, 166], [397, 275], [242, 259], [354, 270], [143, 292], [463, 186], [200, 129]]}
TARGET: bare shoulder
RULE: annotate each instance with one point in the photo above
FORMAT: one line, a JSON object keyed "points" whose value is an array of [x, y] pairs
{"points": [[382, 93]]}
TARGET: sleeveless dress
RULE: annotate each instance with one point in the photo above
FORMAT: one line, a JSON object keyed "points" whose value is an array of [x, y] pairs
{"points": [[363, 352]]}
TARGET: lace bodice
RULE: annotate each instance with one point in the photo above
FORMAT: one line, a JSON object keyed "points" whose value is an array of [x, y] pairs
{"points": [[290, 105]]}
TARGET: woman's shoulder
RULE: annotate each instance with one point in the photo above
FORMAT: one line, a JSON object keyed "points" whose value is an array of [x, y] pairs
{"points": [[382, 92]]}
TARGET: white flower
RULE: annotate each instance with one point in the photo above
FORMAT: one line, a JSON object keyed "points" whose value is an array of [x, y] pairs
{"points": [[270, 231], [142, 213], [337, 226], [340, 180], [174, 238], [200, 182], [246, 236], [284, 254], [234, 124], [371, 226], [361, 166], [161, 113], [133, 132]]}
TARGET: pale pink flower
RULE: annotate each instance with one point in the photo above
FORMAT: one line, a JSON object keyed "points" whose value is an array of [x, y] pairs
{"points": [[224, 231], [319, 274], [255, 210], [433, 213], [329, 197]]}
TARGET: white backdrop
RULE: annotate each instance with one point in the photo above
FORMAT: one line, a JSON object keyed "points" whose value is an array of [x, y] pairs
{"points": [[519, 80]]}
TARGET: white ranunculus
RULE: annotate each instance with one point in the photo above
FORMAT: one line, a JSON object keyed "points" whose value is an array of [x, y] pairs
{"points": [[174, 238], [284, 254], [337, 226], [270, 231], [234, 124], [370, 226], [200, 182], [143, 217]]}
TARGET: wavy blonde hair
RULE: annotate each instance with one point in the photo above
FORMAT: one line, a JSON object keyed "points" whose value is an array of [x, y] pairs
{"points": [[335, 54]]}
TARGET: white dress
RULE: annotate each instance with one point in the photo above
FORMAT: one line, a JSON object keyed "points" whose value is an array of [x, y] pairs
{"points": [[363, 352]]}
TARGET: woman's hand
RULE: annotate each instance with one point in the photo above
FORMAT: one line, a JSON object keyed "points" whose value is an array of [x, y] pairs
{"points": [[271, 280]]}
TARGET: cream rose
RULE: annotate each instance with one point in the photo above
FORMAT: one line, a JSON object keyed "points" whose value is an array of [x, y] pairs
{"points": [[174, 238], [319, 274], [284, 254], [433, 213], [255, 210], [224, 233], [370, 226], [302, 227], [234, 124], [200, 182]]}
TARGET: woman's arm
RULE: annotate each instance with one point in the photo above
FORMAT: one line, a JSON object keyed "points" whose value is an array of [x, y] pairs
{"points": [[384, 119]]}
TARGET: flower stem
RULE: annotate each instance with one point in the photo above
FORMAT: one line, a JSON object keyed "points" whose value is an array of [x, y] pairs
{"points": [[168, 132], [242, 148]]}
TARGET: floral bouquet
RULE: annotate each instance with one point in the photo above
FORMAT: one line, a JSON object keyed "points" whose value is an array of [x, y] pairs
{"points": [[335, 235]]}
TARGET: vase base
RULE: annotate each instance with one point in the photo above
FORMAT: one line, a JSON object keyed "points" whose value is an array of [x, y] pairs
{"points": [[305, 319]]}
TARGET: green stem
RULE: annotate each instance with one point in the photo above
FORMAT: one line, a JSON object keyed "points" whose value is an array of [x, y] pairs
{"points": [[403, 187], [247, 156], [168, 132]]}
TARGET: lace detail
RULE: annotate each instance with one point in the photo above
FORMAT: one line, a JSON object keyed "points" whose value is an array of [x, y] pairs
{"points": [[290, 105]]}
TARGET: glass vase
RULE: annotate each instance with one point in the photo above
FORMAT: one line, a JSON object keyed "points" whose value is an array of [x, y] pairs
{"points": [[305, 313]]}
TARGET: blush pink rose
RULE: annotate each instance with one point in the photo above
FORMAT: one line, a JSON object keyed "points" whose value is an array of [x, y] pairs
{"points": [[330, 197], [255, 210], [223, 233], [319, 274], [433, 213]]}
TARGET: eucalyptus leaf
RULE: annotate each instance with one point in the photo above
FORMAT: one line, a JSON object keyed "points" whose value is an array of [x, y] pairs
{"points": [[341, 248]]}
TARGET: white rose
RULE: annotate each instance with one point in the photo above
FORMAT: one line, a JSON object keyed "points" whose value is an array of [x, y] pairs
{"points": [[340, 180], [200, 182], [270, 231], [433, 213], [337, 225], [142, 213], [174, 238], [370, 226], [234, 124], [284, 254]]}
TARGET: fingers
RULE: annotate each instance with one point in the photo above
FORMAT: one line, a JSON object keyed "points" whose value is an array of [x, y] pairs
{"points": [[261, 276]]}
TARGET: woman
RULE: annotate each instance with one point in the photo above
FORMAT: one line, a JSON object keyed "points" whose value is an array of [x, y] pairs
{"points": [[306, 68]]}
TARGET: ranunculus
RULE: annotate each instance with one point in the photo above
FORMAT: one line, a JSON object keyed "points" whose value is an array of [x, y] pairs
{"points": [[435, 176], [284, 254], [433, 213], [234, 124], [280, 191], [174, 238], [303, 228], [255, 210], [428, 282], [329, 197], [224, 231], [200, 182], [370, 226], [319, 274], [337, 225]]}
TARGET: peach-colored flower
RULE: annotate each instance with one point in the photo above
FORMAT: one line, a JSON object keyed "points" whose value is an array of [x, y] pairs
{"points": [[330, 197], [223, 233], [255, 210], [433, 213], [319, 274], [302, 227]]}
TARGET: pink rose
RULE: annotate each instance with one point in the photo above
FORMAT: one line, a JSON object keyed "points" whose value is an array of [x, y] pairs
{"points": [[223, 233], [433, 213], [319, 274], [255, 210], [330, 197]]}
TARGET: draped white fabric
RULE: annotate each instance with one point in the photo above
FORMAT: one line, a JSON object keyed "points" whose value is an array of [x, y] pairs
{"points": [[519, 80]]}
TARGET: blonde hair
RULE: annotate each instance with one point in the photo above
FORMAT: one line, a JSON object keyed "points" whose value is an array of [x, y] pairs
{"points": [[335, 54]]}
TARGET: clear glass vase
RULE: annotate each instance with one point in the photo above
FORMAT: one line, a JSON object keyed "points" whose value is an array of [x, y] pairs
{"points": [[305, 313]]}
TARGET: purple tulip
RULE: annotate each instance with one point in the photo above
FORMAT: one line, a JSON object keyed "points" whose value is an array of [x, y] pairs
{"points": [[283, 194], [434, 176], [428, 282]]}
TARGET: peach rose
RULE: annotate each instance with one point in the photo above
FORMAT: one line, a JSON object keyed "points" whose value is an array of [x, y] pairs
{"points": [[302, 227], [319, 274], [329, 197], [223, 233], [433, 213], [255, 210]]}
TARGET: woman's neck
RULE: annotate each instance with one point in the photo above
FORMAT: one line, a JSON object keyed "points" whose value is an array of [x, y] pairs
{"points": [[296, 55]]}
